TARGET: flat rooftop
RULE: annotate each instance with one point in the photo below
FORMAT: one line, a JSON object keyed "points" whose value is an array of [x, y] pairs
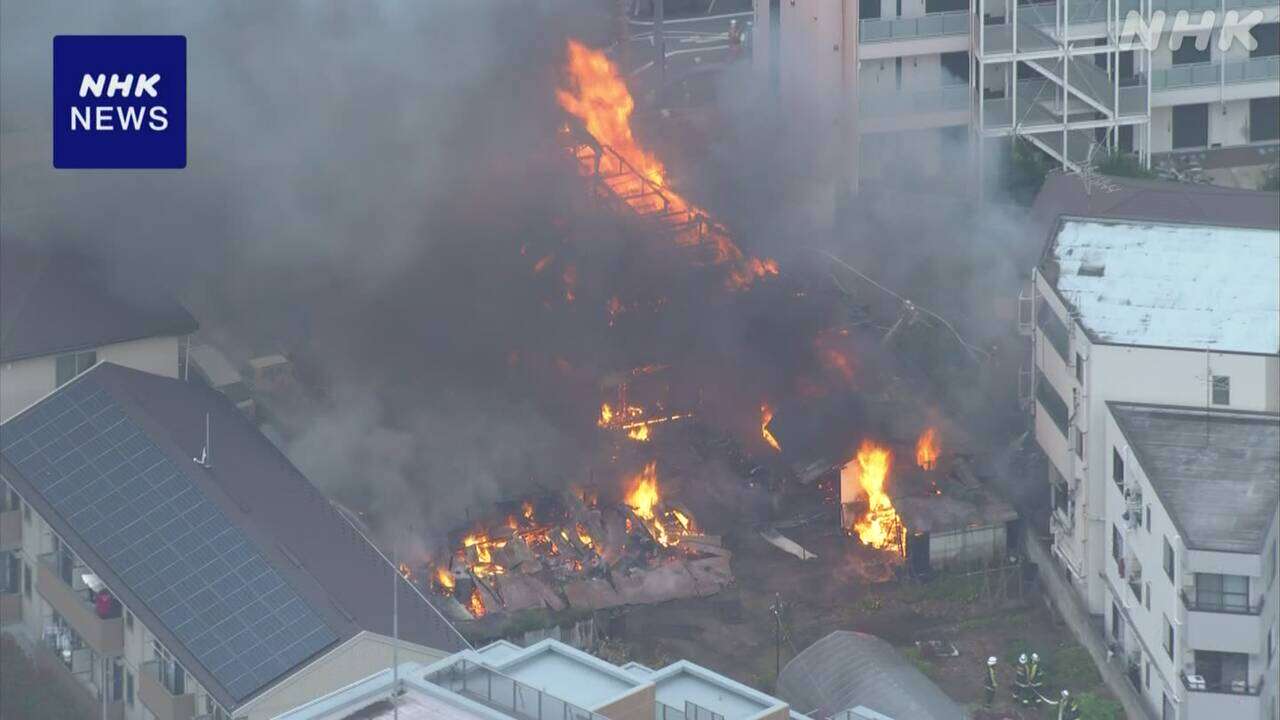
{"points": [[1215, 473], [568, 674], [685, 681], [1170, 285]]}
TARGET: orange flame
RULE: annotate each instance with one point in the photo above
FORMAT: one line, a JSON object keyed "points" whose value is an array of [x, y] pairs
{"points": [[879, 527], [927, 449], [640, 433], [598, 96], [476, 604], [766, 414], [406, 571], [444, 579]]}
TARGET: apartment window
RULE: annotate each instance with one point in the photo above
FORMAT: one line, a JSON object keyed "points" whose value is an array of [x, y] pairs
{"points": [[1147, 601], [1079, 369], [1117, 468], [1168, 637], [1079, 443], [72, 364], [1271, 644], [26, 514], [128, 687], [1221, 390], [1052, 403], [1062, 498], [868, 9], [1222, 592], [1117, 545], [128, 620], [1190, 50], [26, 580], [1117, 629], [1055, 331], [1168, 559], [1148, 518], [1146, 675]]}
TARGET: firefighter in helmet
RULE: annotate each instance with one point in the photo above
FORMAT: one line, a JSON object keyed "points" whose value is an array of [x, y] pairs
{"points": [[1068, 708], [1021, 681], [989, 682], [1035, 679]]}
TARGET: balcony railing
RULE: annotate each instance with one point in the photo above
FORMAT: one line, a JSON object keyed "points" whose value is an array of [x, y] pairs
{"points": [[492, 688], [945, 98], [105, 635], [1225, 687], [952, 22], [1259, 69], [1191, 602], [691, 711], [162, 695]]}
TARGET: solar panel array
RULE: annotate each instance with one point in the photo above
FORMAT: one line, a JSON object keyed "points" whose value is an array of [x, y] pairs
{"points": [[169, 543]]}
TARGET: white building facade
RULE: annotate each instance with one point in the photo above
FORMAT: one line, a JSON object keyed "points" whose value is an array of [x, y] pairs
{"points": [[1191, 603], [1166, 314], [935, 73]]}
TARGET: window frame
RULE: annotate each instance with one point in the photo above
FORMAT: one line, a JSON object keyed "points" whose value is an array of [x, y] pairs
{"points": [[1117, 468], [1212, 593], [1220, 384], [80, 361], [1169, 560], [1168, 640]]}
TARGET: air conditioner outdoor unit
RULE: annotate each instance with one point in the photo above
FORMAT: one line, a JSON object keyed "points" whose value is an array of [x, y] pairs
{"points": [[1195, 682]]}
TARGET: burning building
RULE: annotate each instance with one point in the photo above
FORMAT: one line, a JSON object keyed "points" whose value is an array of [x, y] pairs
{"points": [[573, 550], [934, 512]]}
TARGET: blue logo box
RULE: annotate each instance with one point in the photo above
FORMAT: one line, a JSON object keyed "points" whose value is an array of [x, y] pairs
{"points": [[120, 101]]}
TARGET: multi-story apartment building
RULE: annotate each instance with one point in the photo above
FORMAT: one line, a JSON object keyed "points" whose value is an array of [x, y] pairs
{"points": [[930, 74], [546, 681], [58, 316], [163, 552], [1192, 515], [1176, 314]]}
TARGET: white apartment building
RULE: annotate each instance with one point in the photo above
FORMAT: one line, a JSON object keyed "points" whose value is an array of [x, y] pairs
{"points": [[931, 73], [58, 318], [1174, 314], [167, 576], [545, 681], [1192, 518]]}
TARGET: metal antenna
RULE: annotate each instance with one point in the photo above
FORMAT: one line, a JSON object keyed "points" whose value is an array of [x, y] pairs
{"points": [[206, 460]]}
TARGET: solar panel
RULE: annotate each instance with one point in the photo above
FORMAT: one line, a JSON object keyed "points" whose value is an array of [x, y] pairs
{"points": [[159, 532]]}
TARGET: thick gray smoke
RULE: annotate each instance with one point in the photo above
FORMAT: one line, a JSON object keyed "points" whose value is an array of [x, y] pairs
{"points": [[360, 180], [368, 187]]}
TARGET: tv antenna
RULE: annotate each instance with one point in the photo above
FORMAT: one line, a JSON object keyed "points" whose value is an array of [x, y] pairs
{"points": [[205, 461]]}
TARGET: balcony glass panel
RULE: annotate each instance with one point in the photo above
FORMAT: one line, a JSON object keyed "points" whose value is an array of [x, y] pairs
{"points": [[954, 22]]}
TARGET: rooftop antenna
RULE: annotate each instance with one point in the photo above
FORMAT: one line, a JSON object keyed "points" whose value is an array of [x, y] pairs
{"points": [[205, 461]]}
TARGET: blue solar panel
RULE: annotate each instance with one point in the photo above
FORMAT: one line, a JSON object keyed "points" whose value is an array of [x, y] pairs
{"points": [[157, 530]]}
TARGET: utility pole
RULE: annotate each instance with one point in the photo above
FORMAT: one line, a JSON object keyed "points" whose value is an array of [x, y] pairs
{"points": [[395, 634], [777, 608]]}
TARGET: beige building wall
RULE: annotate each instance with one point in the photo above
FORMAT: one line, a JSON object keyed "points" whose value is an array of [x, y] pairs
{"points": [[635, 705], [358, 658]]}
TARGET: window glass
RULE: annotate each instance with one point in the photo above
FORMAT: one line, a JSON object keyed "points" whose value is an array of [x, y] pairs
{"points": [[1168, 559], [1221, 390]]}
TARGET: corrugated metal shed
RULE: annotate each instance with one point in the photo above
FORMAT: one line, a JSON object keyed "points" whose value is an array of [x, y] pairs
{"points": [[849, 669]]}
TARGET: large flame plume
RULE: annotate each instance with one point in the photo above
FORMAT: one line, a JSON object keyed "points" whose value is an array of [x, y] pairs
{"points": [[666, 525], [880, 526], [597, 95]]}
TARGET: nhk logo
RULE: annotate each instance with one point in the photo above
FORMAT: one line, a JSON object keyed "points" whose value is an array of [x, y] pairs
{"points": [[119, 101]]}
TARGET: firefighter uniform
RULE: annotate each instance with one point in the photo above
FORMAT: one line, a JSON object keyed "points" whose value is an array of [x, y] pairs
{"points": [[1068, 709], [1021, 682], [1035, 680], [989, 683]]}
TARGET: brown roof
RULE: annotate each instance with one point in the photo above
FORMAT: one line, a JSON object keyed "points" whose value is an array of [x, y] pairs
{"points": [[1160, 200]]}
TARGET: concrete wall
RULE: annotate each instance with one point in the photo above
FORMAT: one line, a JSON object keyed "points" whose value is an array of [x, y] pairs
{"points": [[22, 382], [635, 705], [359, 657]]}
